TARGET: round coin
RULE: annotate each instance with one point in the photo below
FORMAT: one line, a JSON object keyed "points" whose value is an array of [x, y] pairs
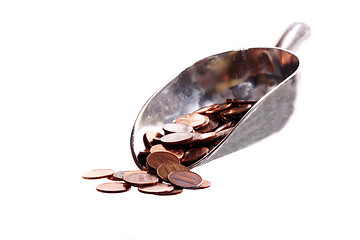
{"points": [[157, 188], [156, 159], [236, 110], [133, 171], [202, 138], [113, 187], [224, 126], [219, 108], [204, 184], [165, 169], [118, 176], [194, 120], [98, 173], [176, 138], [159, 147], [194, 154], [177, 128], [150, 136], [140, 179], [185, 179], [206, 108], [209, 127], [173, 192]]}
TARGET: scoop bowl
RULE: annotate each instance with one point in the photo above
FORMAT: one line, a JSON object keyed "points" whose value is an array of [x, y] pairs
{"points": [[266, 75]]}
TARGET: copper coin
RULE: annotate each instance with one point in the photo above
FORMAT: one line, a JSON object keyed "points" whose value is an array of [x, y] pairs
{"points": [[118, 176], [165, 169], [177, 128], [140, 179], [194, 154], [236, 110], [111, 178], [221, 107], [224, 126], [176, 190], [156, 159], [133, 171], [206, 108], [113, 187], [98, 173], [149, 137], [176, 151], [201, 138], [204, 184], [192, 119], [221, 117], [157, 188], [176, 138], [238, 101], [185, 179], [209, 127]]}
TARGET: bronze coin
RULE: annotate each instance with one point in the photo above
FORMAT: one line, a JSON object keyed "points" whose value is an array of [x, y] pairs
{"points": [[157, 188], [113, 187], [118, 176], [221, 107], [111, 178], [209, 127], [156, 159], [150, 136], [176, 151], [177, 128], [236, 110], [176, 138], [194, 154], [133, 171], [192, 119], [206, 108], [224, 126], [238, 101], [140, 179], [185, 179], [222, 118], [165, 169], [204, 184], [176, 190], [202, 138], [98, 173]]}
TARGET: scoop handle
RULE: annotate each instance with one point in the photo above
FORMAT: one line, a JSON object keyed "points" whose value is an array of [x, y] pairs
{"points": [[294, 35]]}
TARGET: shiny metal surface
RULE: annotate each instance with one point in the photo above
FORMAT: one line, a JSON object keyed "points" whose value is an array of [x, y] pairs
{"points": [[268, 75]]}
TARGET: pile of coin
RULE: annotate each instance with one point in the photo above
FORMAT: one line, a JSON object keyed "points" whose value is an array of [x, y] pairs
{"points": [[146, 182], [167, 155], [192, 136]]}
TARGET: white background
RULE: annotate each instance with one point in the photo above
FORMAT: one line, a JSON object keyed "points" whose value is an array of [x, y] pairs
{"points": [[74, 75]]}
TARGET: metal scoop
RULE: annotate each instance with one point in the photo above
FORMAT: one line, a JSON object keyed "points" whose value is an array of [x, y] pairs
{"points": [[267, 75]]}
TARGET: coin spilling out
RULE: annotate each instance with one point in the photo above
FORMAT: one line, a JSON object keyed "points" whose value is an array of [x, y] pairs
{"points": [[192, 136], [164, 170], [157, 188], [113, 187], [140, 179], [185, 179], [98, 173], [170, 150]]}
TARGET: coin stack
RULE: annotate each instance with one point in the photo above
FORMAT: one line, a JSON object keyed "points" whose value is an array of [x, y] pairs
{"points": [[167, 155]]}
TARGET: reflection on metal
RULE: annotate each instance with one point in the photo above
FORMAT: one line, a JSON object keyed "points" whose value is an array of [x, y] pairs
{"points": [[268, 75]]}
